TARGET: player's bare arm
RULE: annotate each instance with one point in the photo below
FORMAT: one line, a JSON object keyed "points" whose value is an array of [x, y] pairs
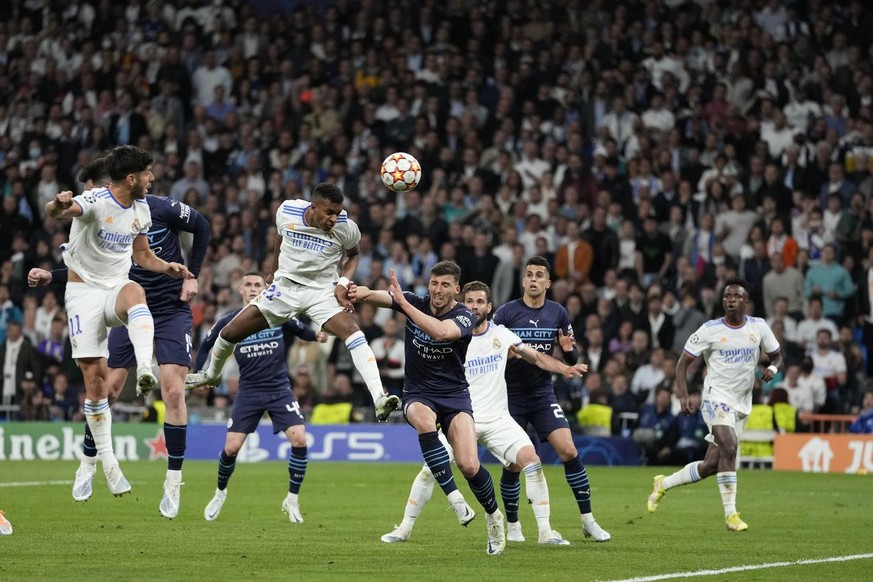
{"points": [[366, 295], [443, 331], [63, 206], [681, 387], [277, 247], [343, 289], [148, 260], [547, 362], [776, 364]]}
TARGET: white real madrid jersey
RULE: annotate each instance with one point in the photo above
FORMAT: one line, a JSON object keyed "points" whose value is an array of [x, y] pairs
{"points": [[731, 355], [101, 239], [309, 255], [485, 370]]}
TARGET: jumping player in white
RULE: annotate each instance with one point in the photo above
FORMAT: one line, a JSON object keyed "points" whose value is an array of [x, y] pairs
{"points": [[491, 347], [313, 241], [110, 226], [731, 347]]}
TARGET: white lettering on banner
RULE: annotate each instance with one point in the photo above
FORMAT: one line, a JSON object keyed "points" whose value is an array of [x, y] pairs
{"points": [[363, 446], [49, 447], [816, 456], [862, 451]]}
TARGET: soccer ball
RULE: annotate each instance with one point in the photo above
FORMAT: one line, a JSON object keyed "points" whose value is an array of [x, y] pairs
{"points": [[401, 172]]}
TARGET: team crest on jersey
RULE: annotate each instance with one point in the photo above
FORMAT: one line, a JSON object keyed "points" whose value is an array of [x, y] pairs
{"points": [[752, 338], [496, 344], [137, 225]]}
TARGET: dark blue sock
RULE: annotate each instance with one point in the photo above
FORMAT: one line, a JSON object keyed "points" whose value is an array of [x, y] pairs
{"points": [[175, 436], [226, 465], [437, 459], [88, 447], [296, 469], [577, 478], [483, 488], [510, 491]]}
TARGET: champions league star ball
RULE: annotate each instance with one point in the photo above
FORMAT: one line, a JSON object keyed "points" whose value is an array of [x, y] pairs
{"points": [[401, 172]]}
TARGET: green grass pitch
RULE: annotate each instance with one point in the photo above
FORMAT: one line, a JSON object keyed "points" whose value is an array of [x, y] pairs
{"points": [[347, 507]]}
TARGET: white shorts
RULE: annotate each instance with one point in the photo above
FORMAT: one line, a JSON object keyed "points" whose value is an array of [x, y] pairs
{"points": [[284, 299], [718, 413], [501, 436], [90, 314]]}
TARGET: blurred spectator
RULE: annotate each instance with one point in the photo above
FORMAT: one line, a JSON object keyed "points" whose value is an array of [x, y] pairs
{"points": [[64, 401], [654, 422], [830, 281], [336, 405], [864, 423], [18, 360]]}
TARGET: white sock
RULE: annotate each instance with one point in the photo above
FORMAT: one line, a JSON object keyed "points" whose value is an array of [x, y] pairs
{"points": [[141, 329], [537, 491], [419, 495], [99, 419], [365, 362], [174, 476], [221, 351], [690, 473], [727, 486]]}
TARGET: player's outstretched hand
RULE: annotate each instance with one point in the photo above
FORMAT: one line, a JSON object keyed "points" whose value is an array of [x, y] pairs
{"points": [[178, 271], [567, 342], [344, 296], [39, 277], [575, 371], [63, 200], [189, 290], [395, 289]]}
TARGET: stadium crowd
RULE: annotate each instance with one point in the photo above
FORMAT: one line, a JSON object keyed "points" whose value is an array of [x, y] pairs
{"points": [[650, 150]]}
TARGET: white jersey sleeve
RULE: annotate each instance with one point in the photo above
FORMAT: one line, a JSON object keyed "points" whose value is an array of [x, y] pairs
{"points": [[769, 343], [698, 342]]}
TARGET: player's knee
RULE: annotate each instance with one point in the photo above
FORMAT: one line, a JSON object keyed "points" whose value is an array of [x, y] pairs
{"points": [[468, 467], [567, 452], [174, 398], [298, 438], [232, 449]]}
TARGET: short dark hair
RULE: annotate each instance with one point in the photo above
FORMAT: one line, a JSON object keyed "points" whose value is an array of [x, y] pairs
{"points": [[125, 160], [738, 282], [477, 286], [94, 171], [329, 192], [538, 261], [446, 268]]}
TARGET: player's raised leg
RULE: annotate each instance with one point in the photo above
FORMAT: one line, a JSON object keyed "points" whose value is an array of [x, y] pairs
{"points": [[345, 328], [297, 463], [130, 307], [246, 322], [226, 465]]}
